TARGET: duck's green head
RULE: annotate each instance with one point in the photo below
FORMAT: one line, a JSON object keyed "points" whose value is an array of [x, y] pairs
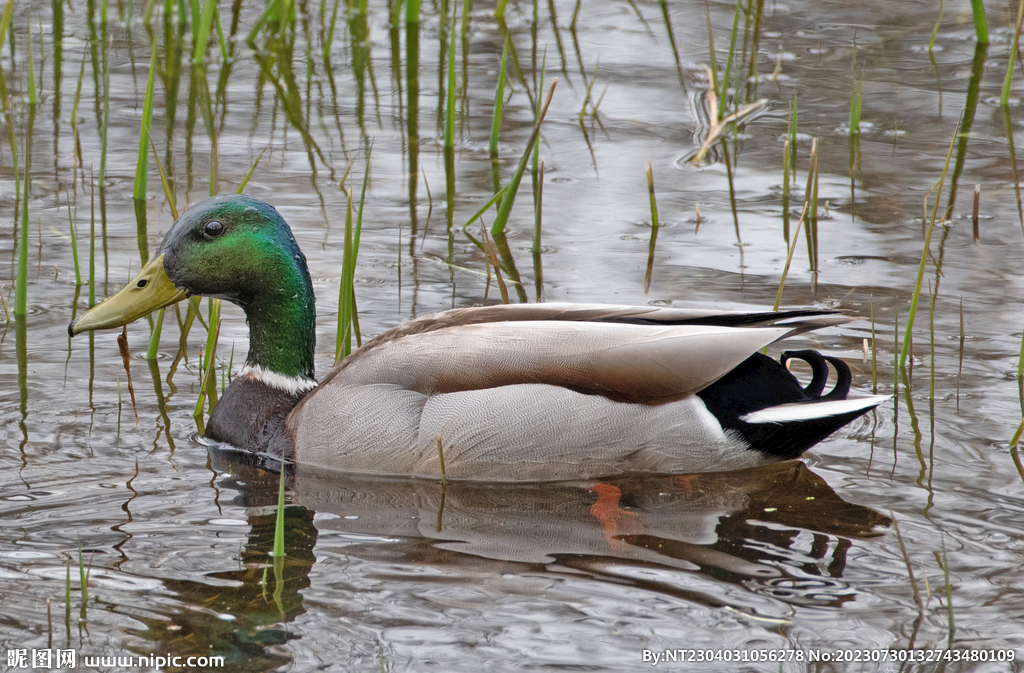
{"points": [[237, 248]]}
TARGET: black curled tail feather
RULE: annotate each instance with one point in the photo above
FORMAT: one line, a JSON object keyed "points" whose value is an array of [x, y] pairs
{"points": [[759, 382], [819, 369], [819, 374], [843, 379]]}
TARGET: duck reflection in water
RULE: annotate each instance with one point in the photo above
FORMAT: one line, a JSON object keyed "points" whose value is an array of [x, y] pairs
{"points": [[778, 530]]}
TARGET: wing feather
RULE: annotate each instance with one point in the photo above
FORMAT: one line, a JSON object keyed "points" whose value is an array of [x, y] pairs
{"points": [[638, 363]]}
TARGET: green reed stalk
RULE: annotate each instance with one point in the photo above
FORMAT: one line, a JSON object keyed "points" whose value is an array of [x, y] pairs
{"points": [[92, 239], [348, 312], [5, 22], [499, 103], [1015, 440], [82, 578], [755, 41], [967, 116], [895, 369], [855, 100], [588, 97], [537, 210], [663, 4], [154, 338], [343, 342], [33, 97], [77, 161], [811, 199], [202, 31], [949, 591], [976, 225], [960, 367], [440, 458], [142, 164], [980, 24], [252, 169], [812, 222], [163, 179], [21, 282], [119, 405], [538, 269], [1004, 99], [931, 348], [1015, 451], [492, 255], [279, 519], [925, 252], [225, 51], [74, 243], [449, 128], [654, 228], [329, 39], [494, 199], [729, 60], [505, 207], [785, 191], [792, 136], [874, 353], [467, 8], [5, 101], [789, 258], [67, 593], [536, 111], [104, 128], [906, 561], [938, 23], [711, 55], [207, 380], [412, 11], [1020, 370]]}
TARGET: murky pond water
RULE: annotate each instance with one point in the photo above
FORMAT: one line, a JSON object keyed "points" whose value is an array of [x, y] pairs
{"points": [[393, 575]]}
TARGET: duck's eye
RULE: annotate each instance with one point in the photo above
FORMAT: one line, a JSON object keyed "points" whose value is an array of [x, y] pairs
{"points": [[142, 283], [213, 228]]}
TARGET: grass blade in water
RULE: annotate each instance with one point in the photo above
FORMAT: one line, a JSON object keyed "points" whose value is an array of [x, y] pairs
{"points": [[785, 191], [202, 35], [348, 319], [966, 124], [789, 258], [499, 102], [538, 271], [449, 130], [208, 382], [924, 253], [510, 196], [74, 242], [142, 164], [654, 228], [279, 519], [343, 341], [21, 281], [980, 24], [1004, 99]]}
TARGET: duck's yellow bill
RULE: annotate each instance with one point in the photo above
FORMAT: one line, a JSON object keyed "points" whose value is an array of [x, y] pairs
{"points": [[150, 290]]}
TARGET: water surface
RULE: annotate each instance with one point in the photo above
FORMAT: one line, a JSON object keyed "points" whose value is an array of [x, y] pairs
{"points": [[393, 575]]}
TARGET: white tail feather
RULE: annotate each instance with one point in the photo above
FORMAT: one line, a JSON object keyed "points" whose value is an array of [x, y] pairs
{"points": [[808, 411]]}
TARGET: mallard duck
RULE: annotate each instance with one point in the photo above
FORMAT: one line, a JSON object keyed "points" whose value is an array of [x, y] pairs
{"points": [[525, 392]]}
